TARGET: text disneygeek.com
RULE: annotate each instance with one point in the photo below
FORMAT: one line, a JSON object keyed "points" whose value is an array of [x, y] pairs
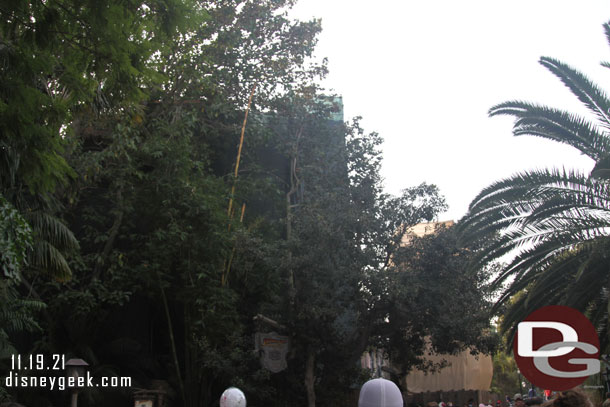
{"points": [[16, 380]]}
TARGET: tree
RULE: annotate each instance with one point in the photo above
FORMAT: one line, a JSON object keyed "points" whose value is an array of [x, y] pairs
{"points": [[151, 149], [505, 379], [434, 302], [349, 283], [63, 63], [557, 218]]}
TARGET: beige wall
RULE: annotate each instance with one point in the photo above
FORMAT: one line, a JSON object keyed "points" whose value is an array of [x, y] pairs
{"points": [[466, 372]]}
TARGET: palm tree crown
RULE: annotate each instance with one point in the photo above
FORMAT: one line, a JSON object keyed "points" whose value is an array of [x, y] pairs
{"points": [[557, 219]]}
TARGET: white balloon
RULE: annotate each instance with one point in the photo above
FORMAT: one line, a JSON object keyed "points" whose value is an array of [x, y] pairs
{"points": [[380, 393], [232, 397]]}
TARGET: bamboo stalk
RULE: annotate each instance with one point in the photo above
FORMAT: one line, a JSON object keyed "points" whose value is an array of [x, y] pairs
{"points": [[172, 340], [241, 144], [225, 276], [230, 209]]}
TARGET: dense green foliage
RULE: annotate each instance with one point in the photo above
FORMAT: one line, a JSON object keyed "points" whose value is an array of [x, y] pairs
{"points": [[557, 218], [15, 239], [128, 241], [505, 379], [431, 284]]}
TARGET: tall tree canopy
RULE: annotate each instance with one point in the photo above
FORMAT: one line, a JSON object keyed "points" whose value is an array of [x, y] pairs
{"points": [[558, 219], [351, 283]]}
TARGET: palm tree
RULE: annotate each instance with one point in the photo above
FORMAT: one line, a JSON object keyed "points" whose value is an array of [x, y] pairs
{"points": [[557, 220]]}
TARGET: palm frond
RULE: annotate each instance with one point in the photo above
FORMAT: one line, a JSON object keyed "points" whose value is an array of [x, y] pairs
{"points": [[559, 283], [46, 257], [17, 315], [555, 125], [52, 241], [528, 206], [527, 186], [607, 33], [557, 221], [586, 91], [52, 230]]}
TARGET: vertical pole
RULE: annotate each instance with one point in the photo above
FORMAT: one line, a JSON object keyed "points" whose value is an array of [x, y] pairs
{"points": [[241, 144], [230, 209]]}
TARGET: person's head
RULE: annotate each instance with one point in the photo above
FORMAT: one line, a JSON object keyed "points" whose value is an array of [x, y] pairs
{"points": [[518, 399], [380, 393], [608, 395], [232, 397], [569, 398]]}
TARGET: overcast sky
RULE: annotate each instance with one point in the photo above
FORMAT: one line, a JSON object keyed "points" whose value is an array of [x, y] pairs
{"points": [[424, 74]]}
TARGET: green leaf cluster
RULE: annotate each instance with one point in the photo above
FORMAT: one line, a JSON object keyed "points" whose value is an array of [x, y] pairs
{"points": [[15, 240]]}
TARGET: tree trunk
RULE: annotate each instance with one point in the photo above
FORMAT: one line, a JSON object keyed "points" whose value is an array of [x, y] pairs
{"points": [[310, 378], [172, 341]]}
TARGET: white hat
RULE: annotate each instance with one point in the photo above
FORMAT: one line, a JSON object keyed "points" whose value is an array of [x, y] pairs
{"points": [[232, 397], [517, 396], [380, 393]]}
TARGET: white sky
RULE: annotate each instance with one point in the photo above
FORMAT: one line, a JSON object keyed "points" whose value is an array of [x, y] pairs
{"points": [[424, 74]]}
